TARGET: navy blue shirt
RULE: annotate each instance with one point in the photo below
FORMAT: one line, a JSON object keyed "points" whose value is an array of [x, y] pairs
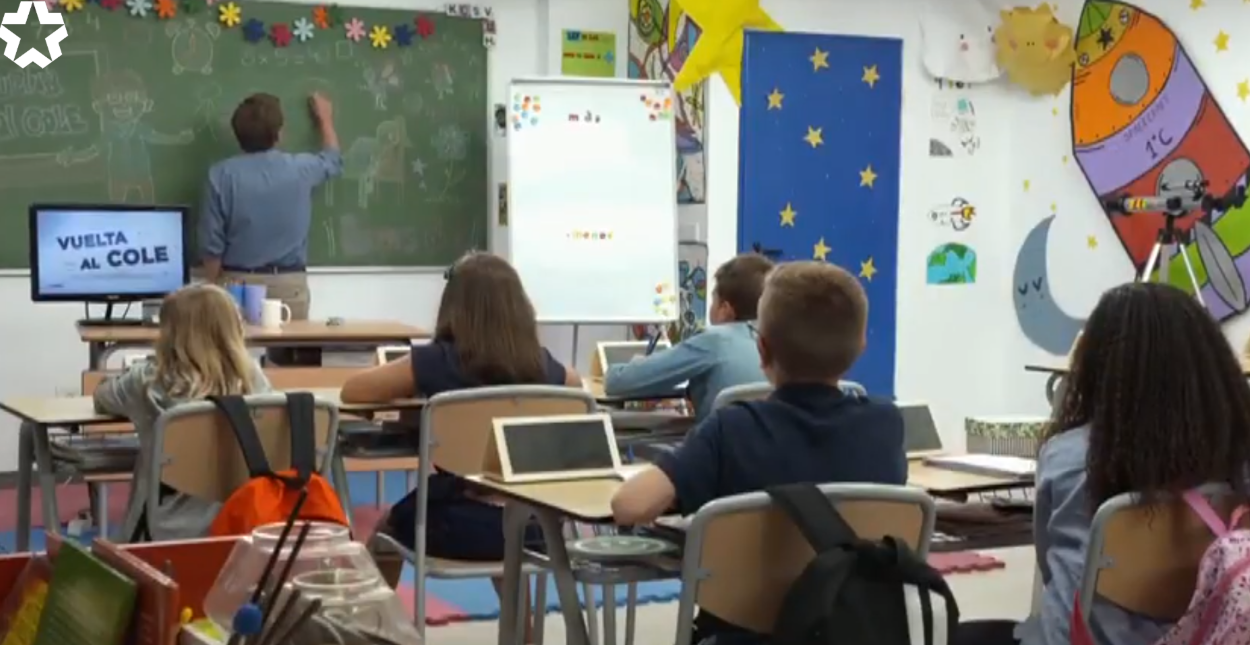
{"points": [[436, 369], [258, 207], [801, 433]]}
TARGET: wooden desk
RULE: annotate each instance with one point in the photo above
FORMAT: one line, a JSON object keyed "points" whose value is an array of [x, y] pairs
{"points": [[594, 385], [585, 500], [103, 341], [39, 414], [943, 482]]}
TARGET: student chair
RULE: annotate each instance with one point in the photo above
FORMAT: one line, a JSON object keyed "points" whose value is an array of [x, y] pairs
{"points": [[761, 390], [195, 451], [741, 555], [455, 430], [1145, 558]]}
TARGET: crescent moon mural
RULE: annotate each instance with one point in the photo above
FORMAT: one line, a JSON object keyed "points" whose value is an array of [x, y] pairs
{"points": [[1040, 318]]}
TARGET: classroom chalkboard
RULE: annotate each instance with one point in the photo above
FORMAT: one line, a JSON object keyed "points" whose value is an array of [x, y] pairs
{"points": [[137, 108]]}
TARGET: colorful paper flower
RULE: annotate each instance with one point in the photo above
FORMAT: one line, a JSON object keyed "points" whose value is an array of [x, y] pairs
{"points": [[230, 14], [321, 18], [166, 9], [380, 36], [111, 5], [355, 29], [139, 8], [304, 30], [191, 7], [71, 5], [403, 35], [334, 15], [253, 31], [425, 27], [280, 34]]}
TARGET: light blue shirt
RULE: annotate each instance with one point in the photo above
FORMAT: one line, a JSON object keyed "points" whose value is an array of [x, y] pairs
{"points": [[258, 207], [1061, 523], [719, 357]]}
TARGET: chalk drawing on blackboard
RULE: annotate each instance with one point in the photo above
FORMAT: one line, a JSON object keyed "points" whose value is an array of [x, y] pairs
{"points": [[413, 103], [207, 99], [344, 50], [379, 81], [380, 159], [191, 45], [331, 241], [451, 146], [442, 79], [120, 98]]}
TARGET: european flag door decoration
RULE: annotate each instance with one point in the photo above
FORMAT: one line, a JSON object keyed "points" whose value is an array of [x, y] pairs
{"points": [[819, 166]]}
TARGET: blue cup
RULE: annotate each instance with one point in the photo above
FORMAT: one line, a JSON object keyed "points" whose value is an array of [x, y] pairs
{"points": [[253, 302], [236, 292]]}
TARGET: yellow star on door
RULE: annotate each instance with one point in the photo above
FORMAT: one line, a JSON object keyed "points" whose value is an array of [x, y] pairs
{"points": [[814, 137], [867, 270], [1197, 4], [819, 59], [870, 76], [1221, 42], [1243, 88], [867, 176], [820, 250], [1091, 242], [774, 99], [787, 215], [1026, 185]]}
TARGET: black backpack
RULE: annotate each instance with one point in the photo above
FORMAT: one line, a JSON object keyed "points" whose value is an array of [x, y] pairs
{"points": [[851, 593]]}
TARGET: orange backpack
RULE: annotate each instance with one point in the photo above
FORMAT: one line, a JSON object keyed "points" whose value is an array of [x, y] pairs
{"points": [[269, 497]]}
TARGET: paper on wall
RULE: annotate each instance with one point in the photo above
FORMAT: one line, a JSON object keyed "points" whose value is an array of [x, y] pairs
{"points": [[957, 41]]}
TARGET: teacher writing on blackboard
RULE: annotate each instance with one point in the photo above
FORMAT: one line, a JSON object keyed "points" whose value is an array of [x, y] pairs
{"points": [[257, 208]]}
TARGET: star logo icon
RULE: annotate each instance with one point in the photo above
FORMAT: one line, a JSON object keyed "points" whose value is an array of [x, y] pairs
{"points": [[12, 40]]}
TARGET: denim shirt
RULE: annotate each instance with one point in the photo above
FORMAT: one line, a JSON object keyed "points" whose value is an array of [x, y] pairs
{"points": [[720, 357], [1061, 524], [257, 207]]}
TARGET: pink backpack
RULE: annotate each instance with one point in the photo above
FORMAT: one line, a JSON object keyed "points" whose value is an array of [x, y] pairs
{"points": [[1217, 614]]}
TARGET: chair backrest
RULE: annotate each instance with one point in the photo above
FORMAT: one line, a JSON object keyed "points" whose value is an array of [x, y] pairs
{"points": [[456, 426], [757, 391], [1145, 557], [197, 453], [749, 552]]}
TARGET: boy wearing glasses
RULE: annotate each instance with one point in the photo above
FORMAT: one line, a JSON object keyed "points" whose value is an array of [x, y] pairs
{"points": [[721, 356], [812, 328]]}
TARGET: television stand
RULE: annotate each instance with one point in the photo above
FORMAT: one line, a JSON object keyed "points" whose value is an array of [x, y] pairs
{"points": [[109, 321]]}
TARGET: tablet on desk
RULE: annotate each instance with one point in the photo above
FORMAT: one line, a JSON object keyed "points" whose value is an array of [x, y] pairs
{"points": [[554, 448], [392, 353], [621, 352], [920, 434]]}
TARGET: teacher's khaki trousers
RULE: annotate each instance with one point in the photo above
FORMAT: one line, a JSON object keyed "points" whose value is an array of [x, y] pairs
{"points": [[292, 290]]}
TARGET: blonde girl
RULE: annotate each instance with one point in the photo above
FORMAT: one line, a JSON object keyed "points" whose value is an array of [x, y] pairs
{"points": [[200, 353]]}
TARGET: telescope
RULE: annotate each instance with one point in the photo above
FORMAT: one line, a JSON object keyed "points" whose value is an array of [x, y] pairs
{"points": [[1173, 201]]}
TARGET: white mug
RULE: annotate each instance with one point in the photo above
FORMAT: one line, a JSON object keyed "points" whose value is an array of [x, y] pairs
{"points": [[274, 314]]}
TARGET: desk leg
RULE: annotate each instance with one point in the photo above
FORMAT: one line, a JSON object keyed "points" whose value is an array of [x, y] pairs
{"points": [[25, 468], [1051, 382], [47, 479], [566, 586], [515, 517]]}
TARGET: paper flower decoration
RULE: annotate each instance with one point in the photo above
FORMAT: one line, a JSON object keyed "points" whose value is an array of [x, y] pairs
{"points": [[334, 15], [355, 29], [303, 30], [111, 5], [253, 31], [229, 14], [425, 27], [191, 7], [166, 9], [211, 2], [321, 18], [139, 8], [71, 5], [280, 34], [380, 36], [403, 35]]}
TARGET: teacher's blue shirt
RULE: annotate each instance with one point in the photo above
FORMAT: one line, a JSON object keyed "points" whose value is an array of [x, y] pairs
{"points": [[257, 207]]}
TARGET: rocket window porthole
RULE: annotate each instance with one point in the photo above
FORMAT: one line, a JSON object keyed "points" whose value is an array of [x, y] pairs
{"points": [[1130, 80]]}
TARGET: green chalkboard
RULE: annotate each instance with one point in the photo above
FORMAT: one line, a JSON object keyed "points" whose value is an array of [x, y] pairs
{"points": [[137, 108]]}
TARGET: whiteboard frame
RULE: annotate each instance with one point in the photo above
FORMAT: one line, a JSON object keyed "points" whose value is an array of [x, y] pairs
{"points": [[672, 163]]}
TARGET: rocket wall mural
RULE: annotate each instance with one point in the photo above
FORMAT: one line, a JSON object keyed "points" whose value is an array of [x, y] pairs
{"points": [[1144, 123]]}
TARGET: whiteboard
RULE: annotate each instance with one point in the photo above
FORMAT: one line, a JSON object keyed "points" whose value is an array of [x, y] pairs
{"points": [[592, 199]]}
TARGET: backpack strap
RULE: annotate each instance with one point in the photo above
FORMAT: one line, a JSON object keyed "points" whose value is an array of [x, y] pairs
{"points": [[821, 524], [301, 414], [1202, 508], [915, 571], [235, 409]]}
